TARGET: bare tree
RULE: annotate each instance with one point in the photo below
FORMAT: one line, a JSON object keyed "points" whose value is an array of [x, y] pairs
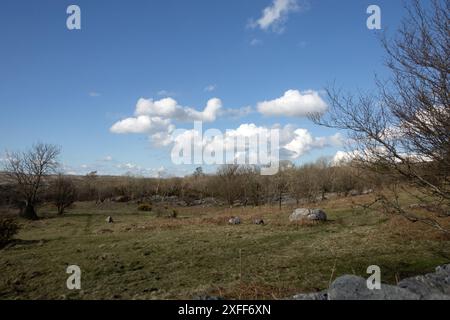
{"points": [[28, 171], [326, 175], [280, 181], [304, 184], [63, 193], [228, 176], [252, 184], [404, 130]]}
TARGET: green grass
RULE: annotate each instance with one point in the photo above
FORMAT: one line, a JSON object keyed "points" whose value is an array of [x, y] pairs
{"points": [[141, 256]]}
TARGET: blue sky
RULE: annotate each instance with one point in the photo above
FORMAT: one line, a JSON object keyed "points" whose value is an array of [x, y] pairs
{"points": [[69, 87]]}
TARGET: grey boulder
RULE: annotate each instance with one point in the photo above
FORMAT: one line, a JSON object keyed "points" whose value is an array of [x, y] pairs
{"points": [[234, 220], [431, 286], [308, 214], [350, 287], [258, 221]]}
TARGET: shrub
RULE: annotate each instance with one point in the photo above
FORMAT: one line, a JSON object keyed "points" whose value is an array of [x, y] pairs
{"points": [[145, 207], [162, 212], [8, 228]]}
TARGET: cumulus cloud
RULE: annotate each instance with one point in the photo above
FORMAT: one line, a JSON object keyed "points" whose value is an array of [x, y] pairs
{"points": [[237, 112], [141, 124], [294, 104], [156, 117], [274, 16], [170, 109], [343, 157], [294, 142]]}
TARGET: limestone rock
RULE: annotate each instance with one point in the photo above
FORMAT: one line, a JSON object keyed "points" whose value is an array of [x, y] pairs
{"points": [[258, 221], [308, 214], [430, 286], [234, 220], [350, 287]]}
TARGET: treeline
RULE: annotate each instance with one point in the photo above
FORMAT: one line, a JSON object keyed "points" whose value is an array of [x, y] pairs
{"points": [[231, 185]]}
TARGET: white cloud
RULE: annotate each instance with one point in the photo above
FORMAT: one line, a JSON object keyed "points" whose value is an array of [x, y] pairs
{"points": [[294, 104], [141, 124], [168, 108], [342, 157], [210, 88], [155, 118], [162, 138], [129, 166], [294, 142], [274, 16], [108, 158], [237, 112]]}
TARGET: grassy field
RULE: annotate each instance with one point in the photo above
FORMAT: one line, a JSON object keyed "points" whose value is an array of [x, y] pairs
{"points": [[141, 256]]}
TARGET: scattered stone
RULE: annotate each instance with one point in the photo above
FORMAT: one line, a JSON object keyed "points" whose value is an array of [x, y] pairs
{"points": [[308, 214], [234, 220], [258, 221], [109, 219]]}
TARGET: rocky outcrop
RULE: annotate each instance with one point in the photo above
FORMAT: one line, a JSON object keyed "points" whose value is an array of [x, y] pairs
{"points": [[351, 287], [432, 286]]}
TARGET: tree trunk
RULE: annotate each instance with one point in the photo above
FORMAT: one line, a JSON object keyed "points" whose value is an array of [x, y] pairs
{"points": [[28, 212]]}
